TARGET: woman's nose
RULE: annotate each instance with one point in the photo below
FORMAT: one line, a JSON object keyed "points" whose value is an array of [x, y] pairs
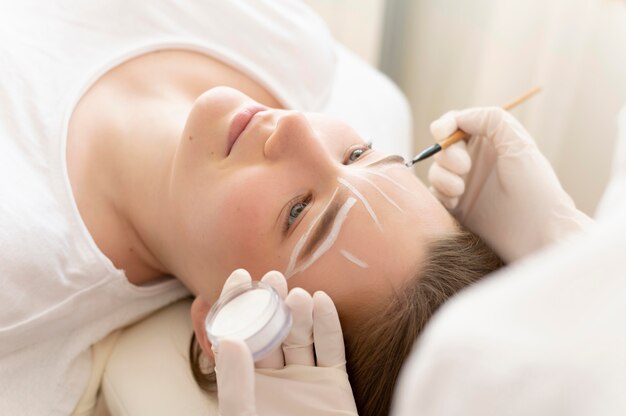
{"points": [[294, 139]]}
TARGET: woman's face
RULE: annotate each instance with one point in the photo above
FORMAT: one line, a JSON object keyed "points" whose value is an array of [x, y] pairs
{"points": [[299, 193]]}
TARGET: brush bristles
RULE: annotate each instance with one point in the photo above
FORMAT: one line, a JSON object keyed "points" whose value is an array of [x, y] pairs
{"points": [[426, 153]]}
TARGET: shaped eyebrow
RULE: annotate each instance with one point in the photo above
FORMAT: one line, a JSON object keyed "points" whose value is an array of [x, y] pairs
{"points": [[324, 224]]}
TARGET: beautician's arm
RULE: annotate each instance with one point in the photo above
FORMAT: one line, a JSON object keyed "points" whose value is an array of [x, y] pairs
{"points": [[499, 185]]}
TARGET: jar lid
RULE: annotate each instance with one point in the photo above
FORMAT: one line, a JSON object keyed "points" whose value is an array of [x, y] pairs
{"points": [[252, 312]]}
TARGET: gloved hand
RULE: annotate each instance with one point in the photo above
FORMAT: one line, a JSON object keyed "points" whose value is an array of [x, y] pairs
{"points": [[499, 185], [288, 381]]}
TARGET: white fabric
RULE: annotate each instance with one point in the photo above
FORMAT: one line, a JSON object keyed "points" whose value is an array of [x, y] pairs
{"points": [[546, 337], [58, 292], [616, 189]]}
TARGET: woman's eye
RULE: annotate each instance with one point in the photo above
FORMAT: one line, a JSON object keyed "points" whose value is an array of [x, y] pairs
{"points": [[357, 153], [295, 211]]}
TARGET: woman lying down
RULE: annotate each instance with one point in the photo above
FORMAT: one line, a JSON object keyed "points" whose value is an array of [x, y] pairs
{"points": [[297, 192], [170, 151]]}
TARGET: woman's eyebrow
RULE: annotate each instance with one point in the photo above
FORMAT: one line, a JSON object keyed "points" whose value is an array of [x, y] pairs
{"points": [[386, 161], [324, 224]]}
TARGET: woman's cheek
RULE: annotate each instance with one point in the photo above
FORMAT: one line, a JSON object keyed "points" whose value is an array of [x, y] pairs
{"points": [[242, 232]]}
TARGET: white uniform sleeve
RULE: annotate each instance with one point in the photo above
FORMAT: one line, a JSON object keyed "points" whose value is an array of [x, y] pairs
{"points": [[616, 190]]}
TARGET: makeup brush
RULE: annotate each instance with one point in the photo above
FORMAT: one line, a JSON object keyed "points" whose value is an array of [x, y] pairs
{"points": [[460, 134]]}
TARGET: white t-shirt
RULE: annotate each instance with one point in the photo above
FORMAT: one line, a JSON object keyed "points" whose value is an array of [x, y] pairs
{"points": [[58, 292]]}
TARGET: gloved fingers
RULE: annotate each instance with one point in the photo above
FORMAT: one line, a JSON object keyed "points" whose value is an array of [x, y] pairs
{"points": [[501, 127], [449, 202], [234, 369], [329, 346], [298, 346], [200, 309], [277, 281], [455, 158], [480, 121], [446, 182], [444, 126], [274, 359], [237, 277]]}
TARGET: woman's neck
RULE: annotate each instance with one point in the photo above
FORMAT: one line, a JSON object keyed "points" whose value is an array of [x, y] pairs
{"points": [[121, 142]]}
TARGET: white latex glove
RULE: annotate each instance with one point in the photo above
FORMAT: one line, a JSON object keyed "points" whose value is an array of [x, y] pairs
{"points": [[288, 382], [499, 185]]}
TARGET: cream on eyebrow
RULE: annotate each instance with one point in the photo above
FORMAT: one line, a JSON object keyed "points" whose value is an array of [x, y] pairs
{"points": [[298, 247], [363, 200], [351, 257], [391, 201], [330, 239]]}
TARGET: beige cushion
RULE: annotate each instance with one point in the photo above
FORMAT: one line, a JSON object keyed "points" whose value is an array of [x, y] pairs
{"points": [[148, 370], [91, 403]]}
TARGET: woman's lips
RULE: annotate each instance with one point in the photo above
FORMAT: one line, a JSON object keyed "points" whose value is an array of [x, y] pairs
{"points": [[239, 123]]}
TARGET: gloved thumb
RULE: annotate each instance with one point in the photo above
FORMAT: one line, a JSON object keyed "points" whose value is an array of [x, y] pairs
{"points": [[444, 126], [234, 368], [503, 130]]}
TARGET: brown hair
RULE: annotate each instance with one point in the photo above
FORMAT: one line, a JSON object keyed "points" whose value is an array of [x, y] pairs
{"points": [[378, 344]]}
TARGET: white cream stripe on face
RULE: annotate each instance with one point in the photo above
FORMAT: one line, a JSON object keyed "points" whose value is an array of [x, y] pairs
{"points": [[305, 236], [382, 175], [351, 257], [391, 201], [330, 239], [363, 200]]}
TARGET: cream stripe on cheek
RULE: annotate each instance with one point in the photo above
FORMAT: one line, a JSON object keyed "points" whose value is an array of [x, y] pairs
{"points": [[351, 257], [363, 200], [330, 239], [298, 247]]}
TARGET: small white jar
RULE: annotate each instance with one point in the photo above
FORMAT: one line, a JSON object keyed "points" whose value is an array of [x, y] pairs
{"points": [[252, 312]]}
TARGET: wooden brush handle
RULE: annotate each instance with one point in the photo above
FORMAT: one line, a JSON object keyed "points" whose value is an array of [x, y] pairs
{"points": [[460, 134]]}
